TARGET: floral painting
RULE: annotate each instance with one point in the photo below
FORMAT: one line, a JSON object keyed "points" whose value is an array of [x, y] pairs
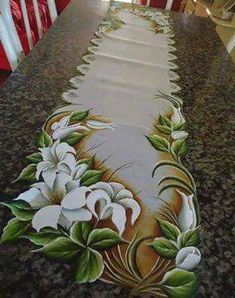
{"points": [[76, 210]]}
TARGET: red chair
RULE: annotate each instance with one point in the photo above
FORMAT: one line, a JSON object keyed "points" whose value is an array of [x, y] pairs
{"points": [[21, 29], [30, 19], [61, 4], [7, 44], [36, 31], [164, 4]]}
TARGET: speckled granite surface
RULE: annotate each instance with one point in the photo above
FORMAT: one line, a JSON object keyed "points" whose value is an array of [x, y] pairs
{"points": [[208, 89]]}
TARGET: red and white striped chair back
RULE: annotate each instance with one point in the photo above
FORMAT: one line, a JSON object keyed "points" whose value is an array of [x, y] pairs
{"points": [[168, 5], [5, 11], [52, 10], [6, 16], [7, 44]]}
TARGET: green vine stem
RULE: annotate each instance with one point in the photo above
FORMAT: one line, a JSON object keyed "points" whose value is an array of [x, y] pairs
{"points": [[180, 180], [176, 165]]}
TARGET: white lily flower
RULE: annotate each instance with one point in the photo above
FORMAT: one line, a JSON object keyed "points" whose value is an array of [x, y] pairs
{"points": [[57, 158], [148, 13], [188, 258], [179, 134], [113, 199], [187, 217], [63, 122], [95, 124], [58, 204], [160, 19], [177, 116], [62, 129], [76, 176]]}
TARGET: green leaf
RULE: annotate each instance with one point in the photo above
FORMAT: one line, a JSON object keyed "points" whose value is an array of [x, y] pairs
{"points": [[34, 158], [102, 239], [21, 209], [89, 266], [63, 230], [91, 177], [79, 116], [89, 161], [28, 174], [80, 231], [13, 230], [163, 129], [179, 148], [165, 248], [61, 249], [179, 283], [189, 238], [131, 255], [165, 121], [74, 138], [44, 237], [51, 230], [159, 143], [168, 230], [179, 126], [43, 140]]}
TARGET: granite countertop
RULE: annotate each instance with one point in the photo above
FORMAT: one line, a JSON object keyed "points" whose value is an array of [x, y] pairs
{"points": [[208, 88]]}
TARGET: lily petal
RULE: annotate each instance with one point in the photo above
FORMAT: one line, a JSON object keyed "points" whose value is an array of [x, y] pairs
{"points": [[59, 187], [49, 176], [62, 133], [75, 199], [187, 215], [62, 123], [46, 154], [43, 166], [53, 148], [71, 185], [64, 221], [116, 187], [44, 189], [118, 216], [80, 170], [68, 163], [46, 217], [95, 124], [63, 148], [123, 194], [106, 211], [191, 204], [177, 116], [81, 127], [188, 258], [105, 187], [97, 196], [133, 205], [181, 134], [34, 197], [81, 214]]}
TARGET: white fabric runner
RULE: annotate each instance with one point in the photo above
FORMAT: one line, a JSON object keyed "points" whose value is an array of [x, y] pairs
{"points": [[130, 65]]}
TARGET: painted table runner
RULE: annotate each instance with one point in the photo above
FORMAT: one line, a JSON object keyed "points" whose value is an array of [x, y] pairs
{"points": [[108, 192]]}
